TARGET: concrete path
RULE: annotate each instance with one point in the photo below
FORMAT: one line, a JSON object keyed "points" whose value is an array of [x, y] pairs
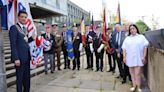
{"points": [[78, 81]]}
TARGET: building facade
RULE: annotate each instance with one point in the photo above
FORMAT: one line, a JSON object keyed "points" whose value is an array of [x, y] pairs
{"points": [[74, 15], [56, 11]]}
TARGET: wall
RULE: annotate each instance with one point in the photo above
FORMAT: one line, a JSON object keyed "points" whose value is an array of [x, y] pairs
{"points": [[155, 69]]}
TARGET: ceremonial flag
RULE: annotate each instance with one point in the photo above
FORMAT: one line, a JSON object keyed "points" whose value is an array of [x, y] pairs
{"points": [[104, 25], [83, 30], [93, 26], [118, 16], [11, 17], [3, 3], [36, 51], [23, 5], [70, 45]]}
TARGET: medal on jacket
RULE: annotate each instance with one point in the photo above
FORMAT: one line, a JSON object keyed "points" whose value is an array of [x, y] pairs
{"points": [[26, 38], [24, 33]]}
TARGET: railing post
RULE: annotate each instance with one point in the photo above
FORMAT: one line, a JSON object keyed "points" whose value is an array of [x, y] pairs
{"points": [[3, 84]]}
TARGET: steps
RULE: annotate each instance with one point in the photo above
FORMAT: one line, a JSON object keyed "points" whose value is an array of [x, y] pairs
{"points": [[10, 71]]}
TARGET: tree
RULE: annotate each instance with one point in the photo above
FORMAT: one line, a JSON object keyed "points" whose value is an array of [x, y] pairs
{"points": [[142, 26]]}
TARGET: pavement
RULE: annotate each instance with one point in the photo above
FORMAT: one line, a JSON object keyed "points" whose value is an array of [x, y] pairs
{"points": [[79, 81]]}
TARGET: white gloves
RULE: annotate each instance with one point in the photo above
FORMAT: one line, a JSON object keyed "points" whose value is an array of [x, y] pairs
{"points": [[47, 48], [91, 47], [100, 48], [90, 39], [80, 47]]}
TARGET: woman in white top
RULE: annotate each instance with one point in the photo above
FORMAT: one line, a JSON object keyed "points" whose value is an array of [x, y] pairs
{"points": [[134, 53]]}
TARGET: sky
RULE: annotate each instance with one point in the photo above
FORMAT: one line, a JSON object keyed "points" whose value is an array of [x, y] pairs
{"points": [[131, 10]]}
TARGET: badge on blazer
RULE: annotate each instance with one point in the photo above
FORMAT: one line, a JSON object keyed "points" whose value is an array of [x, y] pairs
{"points": [[77, 37], [26, 38]]}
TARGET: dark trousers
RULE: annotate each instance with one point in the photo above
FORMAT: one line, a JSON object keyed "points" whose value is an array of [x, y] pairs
{"points": [[120, 64], [66, 61], [23, 77], [76, 61], [89, 56], [99, 60], [126, 73], [112, 65]]}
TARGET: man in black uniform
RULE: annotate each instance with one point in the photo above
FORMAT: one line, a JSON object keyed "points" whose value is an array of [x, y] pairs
{"points": [[64, 47], [89, 47], [77, 47], [110, 52], [98, 46]]}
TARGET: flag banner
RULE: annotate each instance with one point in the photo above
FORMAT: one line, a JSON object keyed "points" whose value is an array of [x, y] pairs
{"points": [[23, 5], [92, 24], [104, 25], [118, 16], [11, 17], [36, 50], [3, 3], [83, 31], [4, 17], [70, 45]]}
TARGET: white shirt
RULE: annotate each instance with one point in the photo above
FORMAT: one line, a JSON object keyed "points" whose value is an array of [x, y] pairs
{"points": [[134, 46]]}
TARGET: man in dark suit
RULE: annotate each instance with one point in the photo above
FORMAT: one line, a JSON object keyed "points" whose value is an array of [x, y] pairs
{"points": [[64, 47], [110, 52], [98, 46], [77, 47], [20, 52], [89, 47], [118, 37], [49, 53]]}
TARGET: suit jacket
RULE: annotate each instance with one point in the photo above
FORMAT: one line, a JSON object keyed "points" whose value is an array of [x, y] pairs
{"points": [[64, 43], [76, 41], [91, 34], [114, 43], [52, 41], [97, 41], [20, 49]]}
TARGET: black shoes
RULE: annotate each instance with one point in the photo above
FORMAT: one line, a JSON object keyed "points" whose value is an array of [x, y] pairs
{"points": [[109, 71], [59, 69], [52, 71], [123, 82]]}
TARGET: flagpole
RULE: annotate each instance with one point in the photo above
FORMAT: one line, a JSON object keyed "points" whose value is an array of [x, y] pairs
{"points": [[7, 6], [104, 30]]}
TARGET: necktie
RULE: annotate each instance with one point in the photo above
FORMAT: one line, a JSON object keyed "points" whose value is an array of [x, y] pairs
{"points": [[64, 34], [119, 38], [24, 29]]}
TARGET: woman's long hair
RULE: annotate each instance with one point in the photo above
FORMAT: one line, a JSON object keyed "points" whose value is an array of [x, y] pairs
{"points": [[135, 27]]}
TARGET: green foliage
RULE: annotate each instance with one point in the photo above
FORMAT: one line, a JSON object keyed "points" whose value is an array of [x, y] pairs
{"points": [[142, 26]]}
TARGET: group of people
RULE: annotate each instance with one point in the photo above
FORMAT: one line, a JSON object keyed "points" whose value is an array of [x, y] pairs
{"points": [[124, 46]]}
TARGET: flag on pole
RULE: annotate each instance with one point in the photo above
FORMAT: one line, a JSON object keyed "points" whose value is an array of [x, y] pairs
{"points": [[104, 21], [104, 25], [118, 16], [36, 51], [11, 17], [3, 3], [23, 5], [83, 31], [70, 45]]}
